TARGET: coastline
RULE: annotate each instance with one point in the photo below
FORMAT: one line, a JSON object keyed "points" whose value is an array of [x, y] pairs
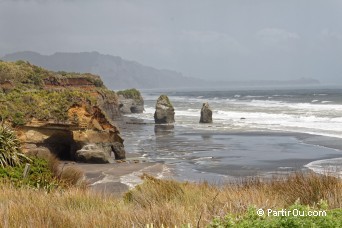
{"points": [[332, 147], [118, 178]]}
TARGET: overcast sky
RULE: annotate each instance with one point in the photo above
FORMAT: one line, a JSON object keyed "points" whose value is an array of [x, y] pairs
{"points": [[221, 39]]}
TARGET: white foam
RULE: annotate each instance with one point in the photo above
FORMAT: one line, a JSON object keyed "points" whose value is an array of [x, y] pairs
{"points": [[134, 179], [313, 118], [146, 115], [250, 96], [304, 118], [106, 179], [187, 113], [332, 167], [202, 158]]}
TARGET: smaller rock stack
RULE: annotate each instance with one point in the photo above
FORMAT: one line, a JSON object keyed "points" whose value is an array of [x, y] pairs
{"points": [[119, 151], [206, 114], [165, 113]]}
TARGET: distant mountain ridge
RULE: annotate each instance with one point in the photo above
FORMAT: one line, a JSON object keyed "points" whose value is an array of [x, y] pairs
{"points": [[116, 72]]}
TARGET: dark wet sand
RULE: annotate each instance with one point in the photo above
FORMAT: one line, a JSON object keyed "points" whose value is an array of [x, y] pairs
{"points": [[107, 178]]}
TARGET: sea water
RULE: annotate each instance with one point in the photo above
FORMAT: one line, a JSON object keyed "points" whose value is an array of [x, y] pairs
{"points": [[246, 137]]}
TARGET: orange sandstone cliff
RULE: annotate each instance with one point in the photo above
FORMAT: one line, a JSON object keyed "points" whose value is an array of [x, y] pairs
{"points": [[70, 115]]}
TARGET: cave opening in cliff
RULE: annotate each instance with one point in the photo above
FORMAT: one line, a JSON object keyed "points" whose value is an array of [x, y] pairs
{"points": [[62, 145]]}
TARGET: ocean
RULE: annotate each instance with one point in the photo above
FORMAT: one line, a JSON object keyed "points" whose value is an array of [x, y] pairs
{"points": [[255, 132]]}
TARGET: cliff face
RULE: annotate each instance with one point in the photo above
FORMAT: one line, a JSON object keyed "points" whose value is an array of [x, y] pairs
{"points": [[60, 112]]}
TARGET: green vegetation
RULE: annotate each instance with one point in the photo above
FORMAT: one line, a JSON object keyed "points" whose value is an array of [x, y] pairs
{"points": [[10, 153], [22, 74], [25, 76], [130, 94], [19, 107], [23, 94], [298, 216], [43, 173], [39, 176], [165, 98]]}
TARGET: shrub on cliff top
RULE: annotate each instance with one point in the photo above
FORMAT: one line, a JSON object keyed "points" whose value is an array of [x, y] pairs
{"points": [[22, 73], [19, 107], [130, 93], [24, 95], [10, 153], [27, 76]]}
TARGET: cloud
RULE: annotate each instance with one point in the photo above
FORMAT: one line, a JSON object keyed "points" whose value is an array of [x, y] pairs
{"points": [[328, 34], [275, 37], [212, 41], [330, 40]]}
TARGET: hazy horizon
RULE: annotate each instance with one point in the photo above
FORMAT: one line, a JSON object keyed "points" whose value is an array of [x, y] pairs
{"points": [[223, 40]]}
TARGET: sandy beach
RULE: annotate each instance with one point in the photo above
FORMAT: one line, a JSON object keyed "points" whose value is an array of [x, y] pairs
{"points": [[215, 157]]}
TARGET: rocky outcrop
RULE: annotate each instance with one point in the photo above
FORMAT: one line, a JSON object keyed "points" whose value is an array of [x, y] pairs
{"points": [[92, 153], [130, 101], [128, 105], [165, 113], [70, 141], [58, 112], [206, 114], [119, 151], [109, 104]]}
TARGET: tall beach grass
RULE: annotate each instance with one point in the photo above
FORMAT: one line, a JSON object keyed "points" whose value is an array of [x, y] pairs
{"points": [[163, 203]]}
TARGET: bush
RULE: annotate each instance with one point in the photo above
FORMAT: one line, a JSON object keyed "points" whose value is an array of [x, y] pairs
{"points": [[19, 107], [130, 94], [44, 173], [10, 153]]}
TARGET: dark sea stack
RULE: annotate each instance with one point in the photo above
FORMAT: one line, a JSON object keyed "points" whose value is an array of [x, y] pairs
{"points": [[119, 151], [206, 114], [165, 113]]}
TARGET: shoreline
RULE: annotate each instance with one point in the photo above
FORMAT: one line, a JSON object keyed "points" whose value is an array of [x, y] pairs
{"points": [[118, 178], [314, 139]]}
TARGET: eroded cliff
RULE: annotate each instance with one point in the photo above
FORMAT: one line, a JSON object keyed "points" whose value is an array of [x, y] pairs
{"points": [[59, 112]]}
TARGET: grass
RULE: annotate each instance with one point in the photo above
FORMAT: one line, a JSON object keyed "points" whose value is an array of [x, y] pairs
{"points": [[169, 203]]}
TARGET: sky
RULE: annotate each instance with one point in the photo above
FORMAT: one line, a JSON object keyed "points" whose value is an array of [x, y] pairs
{"points": [[210, 39]]}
